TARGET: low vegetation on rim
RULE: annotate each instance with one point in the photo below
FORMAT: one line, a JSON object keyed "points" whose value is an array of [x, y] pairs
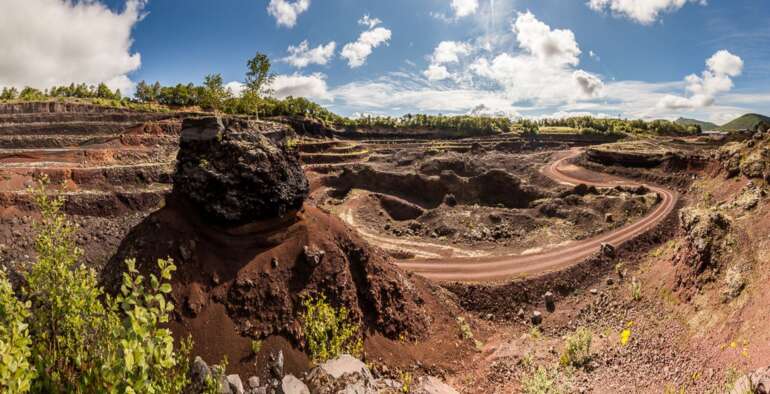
{"points": [[60, 332]]}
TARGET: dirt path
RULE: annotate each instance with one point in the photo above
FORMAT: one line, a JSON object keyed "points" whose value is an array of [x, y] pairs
{"points": [[496, 268]]}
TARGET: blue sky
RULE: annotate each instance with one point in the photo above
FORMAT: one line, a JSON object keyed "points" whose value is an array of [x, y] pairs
{"points": [[515, 57]]}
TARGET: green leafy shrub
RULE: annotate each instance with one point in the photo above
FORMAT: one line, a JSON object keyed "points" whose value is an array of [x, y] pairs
{"points": [[541, 381], [146, 360], [16, 373], [329, 332], [577, 349], [63, 333]]}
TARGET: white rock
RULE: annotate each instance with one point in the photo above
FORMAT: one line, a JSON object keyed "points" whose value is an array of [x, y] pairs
{"points": [[433, 385], [291, 385], [236, 385], [345, 364]]}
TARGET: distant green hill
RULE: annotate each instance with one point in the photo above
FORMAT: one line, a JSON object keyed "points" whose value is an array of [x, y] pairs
{"points": [[746, 122], [703, 125]]}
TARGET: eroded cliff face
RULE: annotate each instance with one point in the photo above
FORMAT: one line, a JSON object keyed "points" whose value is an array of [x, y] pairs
{"points": [[702, 255]]}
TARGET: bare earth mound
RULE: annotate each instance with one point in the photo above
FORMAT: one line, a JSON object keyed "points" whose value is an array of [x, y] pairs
{"points": [[243, 277]]}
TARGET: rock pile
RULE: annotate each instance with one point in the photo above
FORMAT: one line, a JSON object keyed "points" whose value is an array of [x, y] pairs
{"points": [[345, 374], [748, 158]]}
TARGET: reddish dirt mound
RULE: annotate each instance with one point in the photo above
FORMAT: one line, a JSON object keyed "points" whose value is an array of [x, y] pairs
{"points": [[244, 277], [256, 276]]}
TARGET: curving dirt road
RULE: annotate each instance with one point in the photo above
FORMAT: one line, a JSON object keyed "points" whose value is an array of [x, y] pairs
{"points": [[496, 268]]}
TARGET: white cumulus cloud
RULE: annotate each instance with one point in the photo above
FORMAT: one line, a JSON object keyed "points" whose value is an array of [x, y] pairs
{"points": [[302, 55], [286, 12], [545, 43], [544, 71], [450, 52], [236, 88], [369, 21], [54, 42], [724, 62], [446, 52], [589, 84], [703, 89], [437, 73], [388, 94], [641, 11], [463, 8], [311, 86], [358, 51]]}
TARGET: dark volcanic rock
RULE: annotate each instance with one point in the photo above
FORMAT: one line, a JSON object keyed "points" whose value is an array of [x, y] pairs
{"points": [[235, 174]]}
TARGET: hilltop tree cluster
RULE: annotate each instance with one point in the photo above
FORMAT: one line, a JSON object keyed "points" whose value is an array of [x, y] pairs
{"points": [[591, 125], [83, 91], [480, 124]]}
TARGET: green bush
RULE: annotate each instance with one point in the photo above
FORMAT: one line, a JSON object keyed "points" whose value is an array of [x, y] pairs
{"points": [[542, 381], [62, 333], [577, 349], [618, 127], [16, 372], [329, 332]]}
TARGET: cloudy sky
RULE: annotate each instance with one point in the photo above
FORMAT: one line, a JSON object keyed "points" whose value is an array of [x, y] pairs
{"points": [[533, 58]]}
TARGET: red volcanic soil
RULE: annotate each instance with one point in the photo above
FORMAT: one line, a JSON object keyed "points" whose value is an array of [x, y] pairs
{"points": [[235, 285]]}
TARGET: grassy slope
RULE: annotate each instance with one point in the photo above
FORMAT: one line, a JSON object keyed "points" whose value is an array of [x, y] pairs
{"points": [[702, 124], [748, 121]]}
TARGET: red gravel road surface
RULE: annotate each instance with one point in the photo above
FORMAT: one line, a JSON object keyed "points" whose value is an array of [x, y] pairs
{"points": [[500, 268]]}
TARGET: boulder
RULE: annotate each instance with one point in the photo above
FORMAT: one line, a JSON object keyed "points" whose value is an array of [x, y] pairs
{"points": [[549, 301], [253, 382], [313, 255], [537, 318], [348, 375], [607, 250], [199, 374], [235, 383], [235, 172], [345, 364], [432, 385], [291, 385], [450, 200], [757, 382], [275, 365]]}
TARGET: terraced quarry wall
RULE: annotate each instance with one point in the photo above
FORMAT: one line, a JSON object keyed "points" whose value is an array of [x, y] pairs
{"points": [[112, 166]]}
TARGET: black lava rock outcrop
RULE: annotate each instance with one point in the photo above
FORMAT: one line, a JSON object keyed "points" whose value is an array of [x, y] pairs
{"points": [[236, 172]]}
